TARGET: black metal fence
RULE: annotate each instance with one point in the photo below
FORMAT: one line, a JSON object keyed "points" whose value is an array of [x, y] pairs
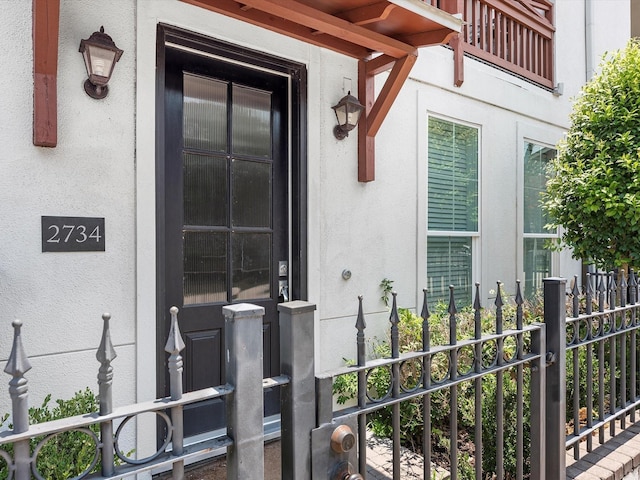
{"points": [[519, 393], [498, 351], [488, 392], [602, 356]]}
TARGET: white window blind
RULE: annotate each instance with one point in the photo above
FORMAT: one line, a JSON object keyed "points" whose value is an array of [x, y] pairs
{"points": [[452, 208]]}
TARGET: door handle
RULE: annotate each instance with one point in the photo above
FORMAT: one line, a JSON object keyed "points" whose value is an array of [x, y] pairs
{"points": [[283, 290]]}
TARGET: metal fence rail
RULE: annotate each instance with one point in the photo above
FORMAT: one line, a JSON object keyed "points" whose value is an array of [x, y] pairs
{"points": [[497, 353]]}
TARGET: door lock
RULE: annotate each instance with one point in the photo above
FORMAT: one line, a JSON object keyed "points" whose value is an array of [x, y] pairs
{"points": [[283, 268]]}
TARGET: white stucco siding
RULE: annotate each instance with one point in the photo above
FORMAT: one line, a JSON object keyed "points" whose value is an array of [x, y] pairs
{"points": [[60, 297]]}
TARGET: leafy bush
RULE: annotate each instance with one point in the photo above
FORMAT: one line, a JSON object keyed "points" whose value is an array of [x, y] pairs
{"points": [[595, 191], [67, 454]]}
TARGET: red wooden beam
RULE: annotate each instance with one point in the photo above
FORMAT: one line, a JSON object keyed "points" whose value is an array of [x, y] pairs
{"points": [[457, 45], [366, 143], [389, 92], [376, 109], [46, 20]]}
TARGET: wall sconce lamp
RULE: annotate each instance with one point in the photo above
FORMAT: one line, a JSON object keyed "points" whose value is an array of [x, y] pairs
{"points": [[100, 56], [348, 111]]}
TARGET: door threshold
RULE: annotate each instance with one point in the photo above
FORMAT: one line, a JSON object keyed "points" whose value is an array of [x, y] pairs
{"points": [[272, 431]]}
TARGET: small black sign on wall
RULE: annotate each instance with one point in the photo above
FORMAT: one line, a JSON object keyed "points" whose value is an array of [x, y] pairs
{"points": [[72, 234]]}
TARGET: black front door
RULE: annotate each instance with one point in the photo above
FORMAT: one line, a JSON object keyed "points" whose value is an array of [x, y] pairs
{"points": [[224, 225]]}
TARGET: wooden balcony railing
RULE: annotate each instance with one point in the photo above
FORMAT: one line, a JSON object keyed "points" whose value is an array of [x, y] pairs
{"points": [[516, 35]]}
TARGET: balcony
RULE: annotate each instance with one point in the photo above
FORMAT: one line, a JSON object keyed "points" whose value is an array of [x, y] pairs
{"points": [[514, 35]]}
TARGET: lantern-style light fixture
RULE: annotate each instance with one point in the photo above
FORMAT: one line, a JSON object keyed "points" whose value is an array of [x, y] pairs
{"points": [[348, 111], [100, 56]]}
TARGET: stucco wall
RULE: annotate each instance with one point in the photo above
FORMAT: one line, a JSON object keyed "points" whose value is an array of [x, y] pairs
{"points": [[60, 297], [104, 166]]}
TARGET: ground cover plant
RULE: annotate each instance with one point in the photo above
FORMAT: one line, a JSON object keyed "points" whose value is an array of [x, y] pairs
{"points": [[68, 454]]}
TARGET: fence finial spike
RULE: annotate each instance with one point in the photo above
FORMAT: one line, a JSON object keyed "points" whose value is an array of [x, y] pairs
{"points": [[18, 363], [175, 343], [360, 323], [575, 291], [395, 320], [476, 302], [452, 301], [519, 297], [393, 317], [360, 326], [477, 307], [575, 296], [426, 341], [425, 308], [499, 303], [106, 353], [600, 286], [633, 286]]}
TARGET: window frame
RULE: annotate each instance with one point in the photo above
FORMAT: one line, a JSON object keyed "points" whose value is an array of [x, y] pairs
{"points": [[423, 197], [544, 138]]}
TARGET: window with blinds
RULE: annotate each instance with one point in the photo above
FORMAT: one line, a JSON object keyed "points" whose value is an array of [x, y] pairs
{"points": [[538, 259], [452, 208]]}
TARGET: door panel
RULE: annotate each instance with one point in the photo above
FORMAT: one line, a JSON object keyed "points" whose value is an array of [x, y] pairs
{"points": [[225, 211]]}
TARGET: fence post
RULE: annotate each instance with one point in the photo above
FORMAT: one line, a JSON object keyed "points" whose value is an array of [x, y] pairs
{"points": [[556, 379], [105, 355], [299, 396], [175, 344], [245, 405], [17, 365], [538, 407]]}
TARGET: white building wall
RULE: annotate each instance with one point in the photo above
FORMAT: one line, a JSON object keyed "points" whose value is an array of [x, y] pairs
{"points": [[104, 165], [60, 297]]}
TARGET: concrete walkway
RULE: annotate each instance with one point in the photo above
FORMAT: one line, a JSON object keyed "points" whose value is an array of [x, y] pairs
{"points": [[380, 462]]}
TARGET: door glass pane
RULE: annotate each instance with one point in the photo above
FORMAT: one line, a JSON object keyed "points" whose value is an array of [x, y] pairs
{"points": [[537, 265], [251, 187], [204, 124], [251, 265], [205, 267], [449, 263], [205, 190], [251, 133]]}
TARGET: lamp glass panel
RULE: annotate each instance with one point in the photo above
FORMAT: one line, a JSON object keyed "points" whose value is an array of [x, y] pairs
{"points": [[101, 60], [341, 114], [354, 116]]}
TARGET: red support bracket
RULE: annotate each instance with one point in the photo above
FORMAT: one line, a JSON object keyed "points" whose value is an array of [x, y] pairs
{"points": [[46, 21]]}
